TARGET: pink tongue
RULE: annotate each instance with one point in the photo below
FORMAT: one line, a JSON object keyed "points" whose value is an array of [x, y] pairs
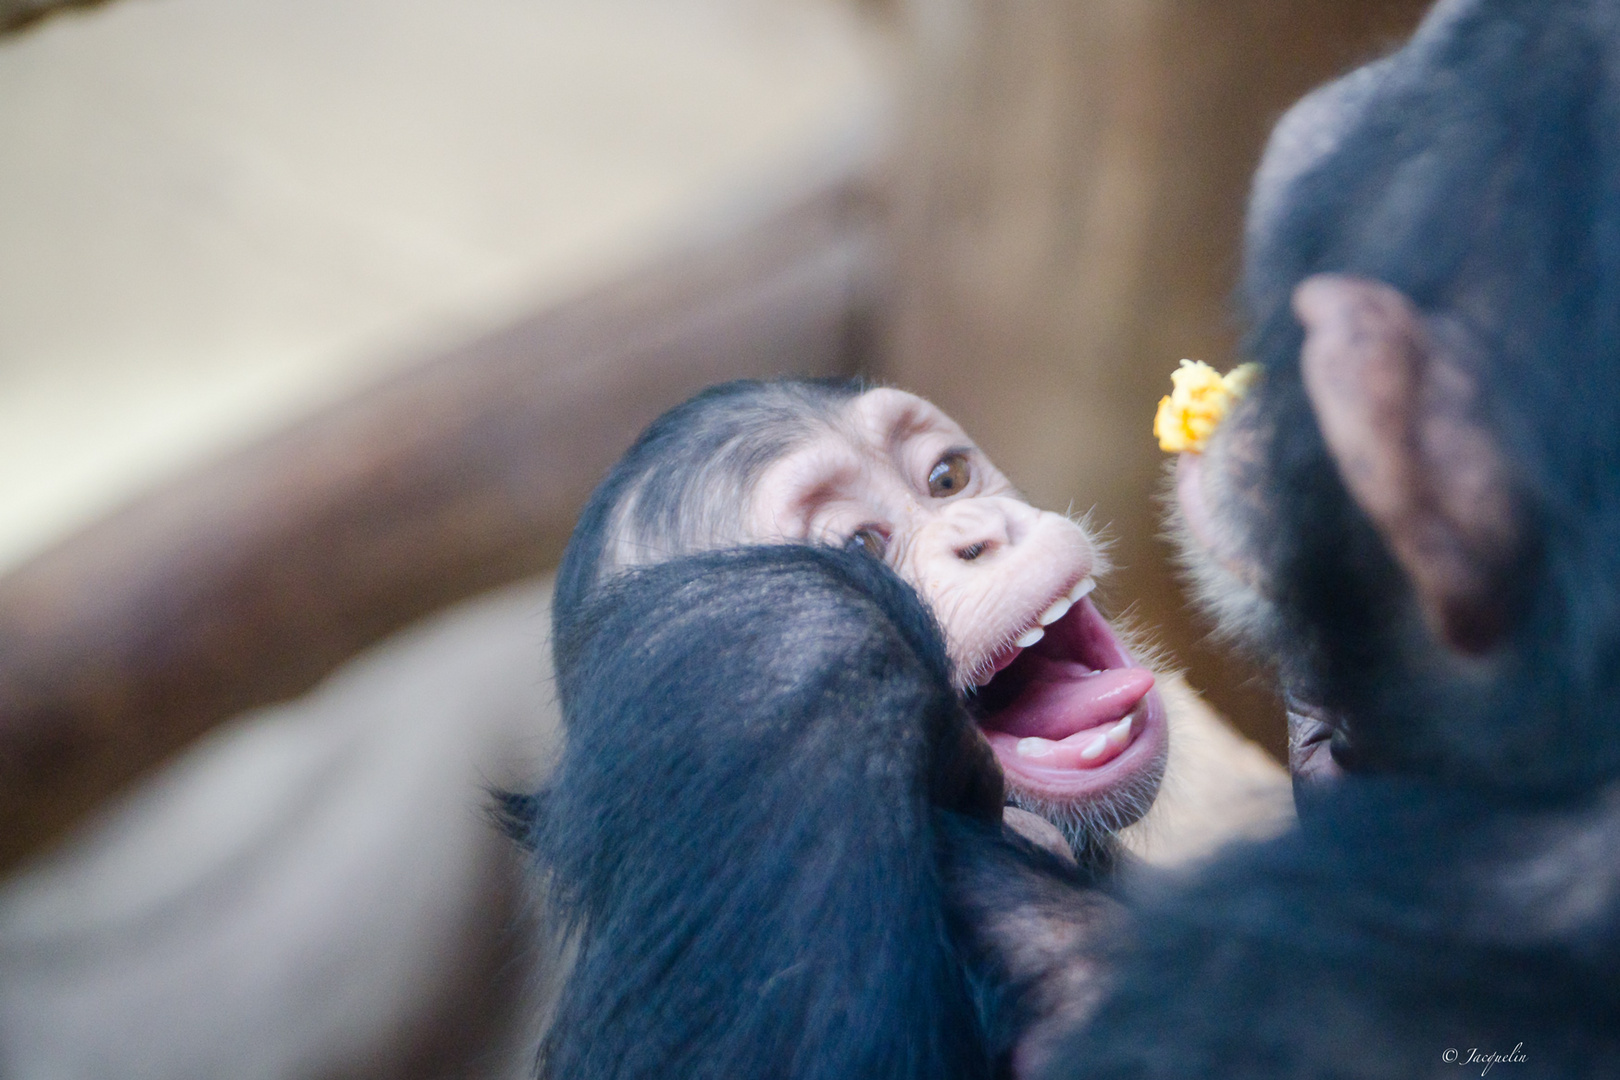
{"points": [[1061, 699]]}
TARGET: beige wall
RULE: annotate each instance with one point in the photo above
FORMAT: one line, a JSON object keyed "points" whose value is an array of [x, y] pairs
{"points": [[216, 215]]}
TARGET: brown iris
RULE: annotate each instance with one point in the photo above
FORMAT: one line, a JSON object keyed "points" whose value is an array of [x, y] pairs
{"points": [[950, 476], [870, 541]]}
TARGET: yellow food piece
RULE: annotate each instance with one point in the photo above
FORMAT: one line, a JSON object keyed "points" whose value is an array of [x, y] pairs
{"points": [[1198, 399]]}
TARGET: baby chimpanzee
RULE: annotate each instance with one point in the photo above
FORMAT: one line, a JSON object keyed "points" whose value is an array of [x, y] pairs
{"points": [[1073, 719]]}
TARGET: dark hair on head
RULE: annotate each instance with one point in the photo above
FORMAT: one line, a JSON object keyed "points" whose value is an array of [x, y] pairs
{"points": [[680, 488], [1481, 178]]}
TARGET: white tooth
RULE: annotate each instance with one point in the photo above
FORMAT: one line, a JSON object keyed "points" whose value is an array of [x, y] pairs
{"points": [[1094, 748], [1052, 614], [1034, 747], [1031, 636], [1120, 732], [1082, 590]]}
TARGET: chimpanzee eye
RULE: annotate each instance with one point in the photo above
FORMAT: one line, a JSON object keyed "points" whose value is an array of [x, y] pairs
{"points": [[868, 540], [949, 476]]}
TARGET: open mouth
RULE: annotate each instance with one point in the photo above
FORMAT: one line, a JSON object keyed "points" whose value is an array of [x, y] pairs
{"points": [[1068, 712]]}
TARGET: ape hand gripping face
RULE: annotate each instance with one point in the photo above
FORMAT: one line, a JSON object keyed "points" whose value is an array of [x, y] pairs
{"points": [[767, 771], [1074, 722]]}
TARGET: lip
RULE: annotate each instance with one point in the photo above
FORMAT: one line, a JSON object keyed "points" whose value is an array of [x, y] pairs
{"points": [[1070, 687], [1310, 743], [1057, 784]]}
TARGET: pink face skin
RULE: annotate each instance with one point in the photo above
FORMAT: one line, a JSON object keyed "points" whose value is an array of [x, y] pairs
{"points": [[1072, 718]]}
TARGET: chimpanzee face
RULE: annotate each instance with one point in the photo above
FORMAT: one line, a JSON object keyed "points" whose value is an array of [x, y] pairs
{"points": [[1218, 504], [1070, 714]]}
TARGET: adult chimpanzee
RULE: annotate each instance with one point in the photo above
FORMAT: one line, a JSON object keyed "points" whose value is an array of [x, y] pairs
{"points": [[1417, 512]]}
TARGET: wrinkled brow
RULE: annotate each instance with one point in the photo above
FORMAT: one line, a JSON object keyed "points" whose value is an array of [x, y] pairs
{"points": [[897, 423]]}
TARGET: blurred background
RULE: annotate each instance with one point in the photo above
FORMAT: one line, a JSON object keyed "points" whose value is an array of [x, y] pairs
{"points": [[319, 320]]}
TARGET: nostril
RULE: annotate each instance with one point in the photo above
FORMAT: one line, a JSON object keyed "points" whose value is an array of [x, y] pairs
{"points": [[971, 552]]}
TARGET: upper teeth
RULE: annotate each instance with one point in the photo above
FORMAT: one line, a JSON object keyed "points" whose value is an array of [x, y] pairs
{"points": [[1059, 608]]}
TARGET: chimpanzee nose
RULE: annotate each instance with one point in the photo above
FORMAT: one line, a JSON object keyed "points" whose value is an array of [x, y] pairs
{"points": [[977, 529]]}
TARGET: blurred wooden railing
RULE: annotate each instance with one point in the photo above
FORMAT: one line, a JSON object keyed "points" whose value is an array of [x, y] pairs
{"points": [[20, 14], [246, 581]]}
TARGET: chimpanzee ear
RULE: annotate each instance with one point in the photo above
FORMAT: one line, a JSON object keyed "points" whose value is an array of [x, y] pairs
{"points": [[1399, 413]]}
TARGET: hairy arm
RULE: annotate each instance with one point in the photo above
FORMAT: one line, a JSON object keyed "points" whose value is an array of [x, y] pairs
{"points": [[744, 831]]}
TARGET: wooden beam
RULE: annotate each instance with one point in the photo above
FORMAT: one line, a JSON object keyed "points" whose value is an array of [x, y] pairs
{"points": [[20, 14], [246, 581]]}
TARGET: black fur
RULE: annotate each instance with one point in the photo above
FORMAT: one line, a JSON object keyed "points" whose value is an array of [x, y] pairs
{"points": [[682, 482], [764, 754], [1482, 180], [1466, 893], [1399, 922]]}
